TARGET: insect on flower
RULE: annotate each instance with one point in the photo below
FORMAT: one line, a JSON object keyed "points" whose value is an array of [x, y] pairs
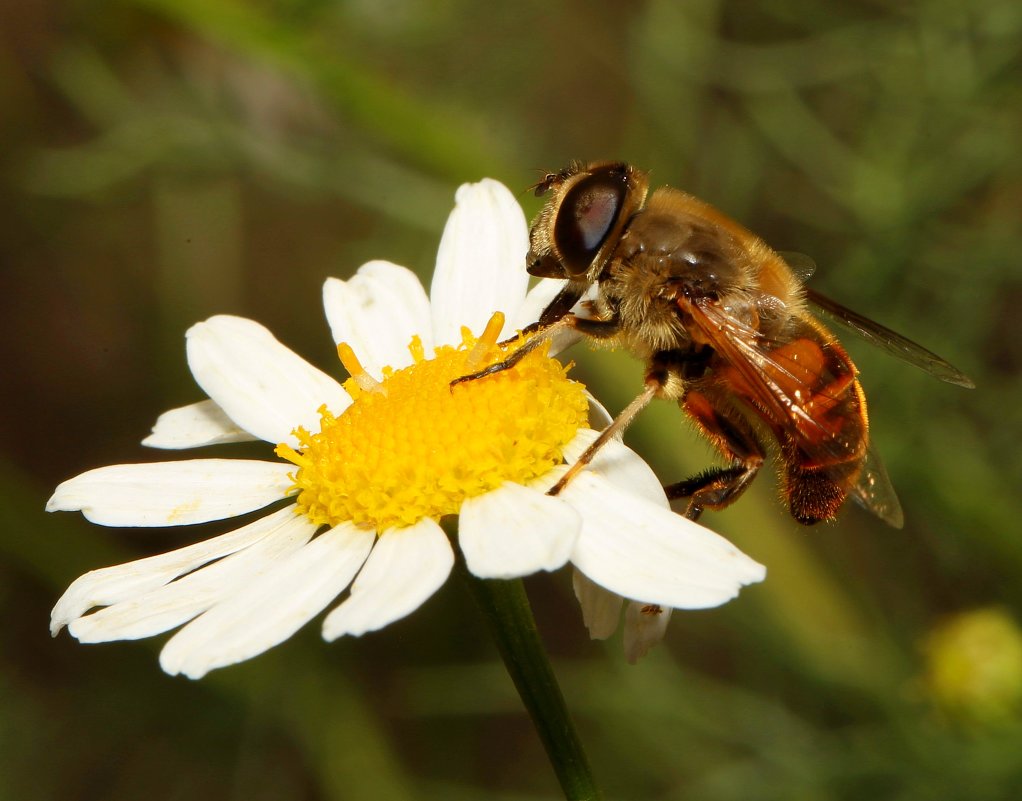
{"points": [[368, 470]]}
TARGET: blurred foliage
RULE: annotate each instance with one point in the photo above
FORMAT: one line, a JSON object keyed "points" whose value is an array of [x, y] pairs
{"points": [[165, 160]]}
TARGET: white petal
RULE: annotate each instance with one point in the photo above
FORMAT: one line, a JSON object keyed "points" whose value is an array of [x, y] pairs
{"points": [[110, 585], [179, 601], [514, 531], [642, 551], [377, 312], [265, 387], [645, 626], [480, 265], [599, 417], [406, 567], [619, 465], [193, 426], [271, 608], [601, 609], [172, 493]]}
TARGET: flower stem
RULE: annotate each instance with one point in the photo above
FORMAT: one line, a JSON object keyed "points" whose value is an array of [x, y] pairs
{"points": [[509, 616]]}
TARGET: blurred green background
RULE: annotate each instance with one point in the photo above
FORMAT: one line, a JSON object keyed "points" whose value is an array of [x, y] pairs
{"points": [[165, 160]]}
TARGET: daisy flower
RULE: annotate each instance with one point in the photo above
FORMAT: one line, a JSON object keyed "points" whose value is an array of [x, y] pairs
{"points": [[366, 470]]}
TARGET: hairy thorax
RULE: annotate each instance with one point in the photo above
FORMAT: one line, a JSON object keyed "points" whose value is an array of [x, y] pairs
{"points": [[664, 258]]}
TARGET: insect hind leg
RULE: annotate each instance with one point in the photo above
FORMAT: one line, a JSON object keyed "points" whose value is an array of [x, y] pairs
{"points": [[715, 488], [732, 435]]}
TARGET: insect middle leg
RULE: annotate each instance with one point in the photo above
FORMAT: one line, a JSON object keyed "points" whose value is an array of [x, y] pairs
{"points": [[661, 381], [619, 424], [734, 437]]}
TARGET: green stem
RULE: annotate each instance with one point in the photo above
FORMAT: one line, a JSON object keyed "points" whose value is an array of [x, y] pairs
{"points": [[509, 616]]}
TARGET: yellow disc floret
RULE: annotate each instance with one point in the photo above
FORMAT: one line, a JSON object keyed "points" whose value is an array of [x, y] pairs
{"points": [[413, 446]]}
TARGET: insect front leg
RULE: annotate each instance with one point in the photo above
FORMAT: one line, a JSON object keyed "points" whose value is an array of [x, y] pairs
{"points": [[555, 311], [560, 306], [733, 436], [599, 329]]}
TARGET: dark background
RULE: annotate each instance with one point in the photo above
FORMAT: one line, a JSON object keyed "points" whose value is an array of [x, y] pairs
{"points": [[165, 160]]}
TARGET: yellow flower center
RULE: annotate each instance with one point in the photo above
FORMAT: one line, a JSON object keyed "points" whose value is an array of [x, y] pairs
{"points": [[413, 446]]}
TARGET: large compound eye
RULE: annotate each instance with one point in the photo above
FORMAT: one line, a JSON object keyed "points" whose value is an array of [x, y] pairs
{"points": [[586, 216]]}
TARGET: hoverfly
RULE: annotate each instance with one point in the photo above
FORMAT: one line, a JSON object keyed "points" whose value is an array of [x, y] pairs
{"points": [[726, 328]]}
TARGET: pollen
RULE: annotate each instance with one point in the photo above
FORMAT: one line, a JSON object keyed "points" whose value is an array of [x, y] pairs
{"points": [[414, 446]]}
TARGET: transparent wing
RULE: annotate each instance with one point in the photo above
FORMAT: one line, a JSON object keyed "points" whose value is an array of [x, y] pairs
{"points": [[802, 265], [777, 379], [780, 387], [874, 493], [890, 341]]}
